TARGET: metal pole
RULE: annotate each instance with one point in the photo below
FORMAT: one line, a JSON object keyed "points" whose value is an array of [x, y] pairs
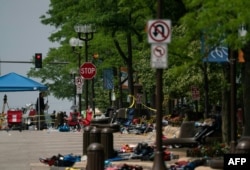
{"points": [[79, 95], [39, 112], [93, 90], [93, 94], [86, 39], [233, 101], [74, 76], [206, 90], [86, 81], [159, 163]]}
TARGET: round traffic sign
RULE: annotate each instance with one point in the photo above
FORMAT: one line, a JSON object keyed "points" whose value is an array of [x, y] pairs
{"points": [[88, 70], [159, 31], [159, 51], [78, 81]]}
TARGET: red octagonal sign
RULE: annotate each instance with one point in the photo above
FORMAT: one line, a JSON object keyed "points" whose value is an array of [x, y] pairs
{"points": [[88, 70]]}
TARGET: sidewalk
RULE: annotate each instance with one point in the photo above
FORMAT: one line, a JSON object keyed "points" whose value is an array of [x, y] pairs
{"points": [[147, 165], [120, 139]]}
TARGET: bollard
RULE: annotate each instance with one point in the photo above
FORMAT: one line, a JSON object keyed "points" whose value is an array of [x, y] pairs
{"points": [[243, 145], [95, 157], [107, 141], [95, 135], [86, 140]]}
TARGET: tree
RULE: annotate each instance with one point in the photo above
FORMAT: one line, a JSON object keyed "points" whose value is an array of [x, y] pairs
{"points": [[220, 21], [119, 24]]}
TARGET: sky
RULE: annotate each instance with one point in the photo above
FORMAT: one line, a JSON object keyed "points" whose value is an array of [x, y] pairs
{"points": [[22, 35]]}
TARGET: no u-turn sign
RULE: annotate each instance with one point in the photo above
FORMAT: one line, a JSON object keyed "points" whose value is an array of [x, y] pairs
{"points": [[159, 31]]}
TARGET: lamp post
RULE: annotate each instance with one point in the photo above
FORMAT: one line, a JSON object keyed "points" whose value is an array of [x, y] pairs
{"points": [[85, 33], [73, 76], [243, 144], [75, 42]]}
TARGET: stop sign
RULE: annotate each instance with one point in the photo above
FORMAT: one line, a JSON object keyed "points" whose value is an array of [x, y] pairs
{"points": [[88, 70]]}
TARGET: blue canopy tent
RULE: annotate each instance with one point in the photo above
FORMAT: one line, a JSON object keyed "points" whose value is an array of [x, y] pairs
{"points": [[13, 82]]}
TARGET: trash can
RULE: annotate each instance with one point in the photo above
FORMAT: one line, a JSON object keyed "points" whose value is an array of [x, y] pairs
{"points": [[243, 145], [95, 135], [86, 139], [107, 140], [95, 155]]}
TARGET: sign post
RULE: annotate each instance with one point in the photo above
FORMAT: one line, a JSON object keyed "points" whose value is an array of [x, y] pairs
{"points": [[159, 33]]}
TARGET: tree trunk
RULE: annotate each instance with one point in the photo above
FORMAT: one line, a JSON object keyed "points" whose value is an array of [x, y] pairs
{"points": [[129, 65]]}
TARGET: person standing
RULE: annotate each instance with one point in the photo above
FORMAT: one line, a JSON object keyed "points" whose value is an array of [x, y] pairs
{"points": [[53, 119], [40, 107]]}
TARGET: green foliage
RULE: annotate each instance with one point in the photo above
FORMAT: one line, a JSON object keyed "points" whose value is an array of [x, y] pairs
{"points": [[219, 20], [117, 21]]}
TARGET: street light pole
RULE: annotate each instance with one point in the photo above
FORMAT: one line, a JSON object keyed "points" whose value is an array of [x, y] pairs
{"points": [[88, 31], [74, 42]]}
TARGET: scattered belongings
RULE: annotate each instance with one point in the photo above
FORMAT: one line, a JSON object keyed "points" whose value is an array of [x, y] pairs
{"points": [[64, 128], [188, 165], [124, 167], [61, 160]]}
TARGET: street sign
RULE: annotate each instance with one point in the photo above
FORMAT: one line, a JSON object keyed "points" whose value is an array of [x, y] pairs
{"points": [[78, 80], [159, 31], [79, 89], [88, 70], [159, 56]]}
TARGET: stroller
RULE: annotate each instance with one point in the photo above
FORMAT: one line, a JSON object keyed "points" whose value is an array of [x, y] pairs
{"points": [[201, 132], [208, 127], [14, 119]]}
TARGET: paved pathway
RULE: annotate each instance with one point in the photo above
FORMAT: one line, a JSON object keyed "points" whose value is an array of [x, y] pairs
{"points": [[20, 149]]}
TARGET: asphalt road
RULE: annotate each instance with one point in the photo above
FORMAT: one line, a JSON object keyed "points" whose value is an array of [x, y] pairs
{"points": [[21, 149]]}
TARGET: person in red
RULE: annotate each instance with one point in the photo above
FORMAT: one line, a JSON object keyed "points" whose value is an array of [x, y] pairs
{"points": [[88, 118]]}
